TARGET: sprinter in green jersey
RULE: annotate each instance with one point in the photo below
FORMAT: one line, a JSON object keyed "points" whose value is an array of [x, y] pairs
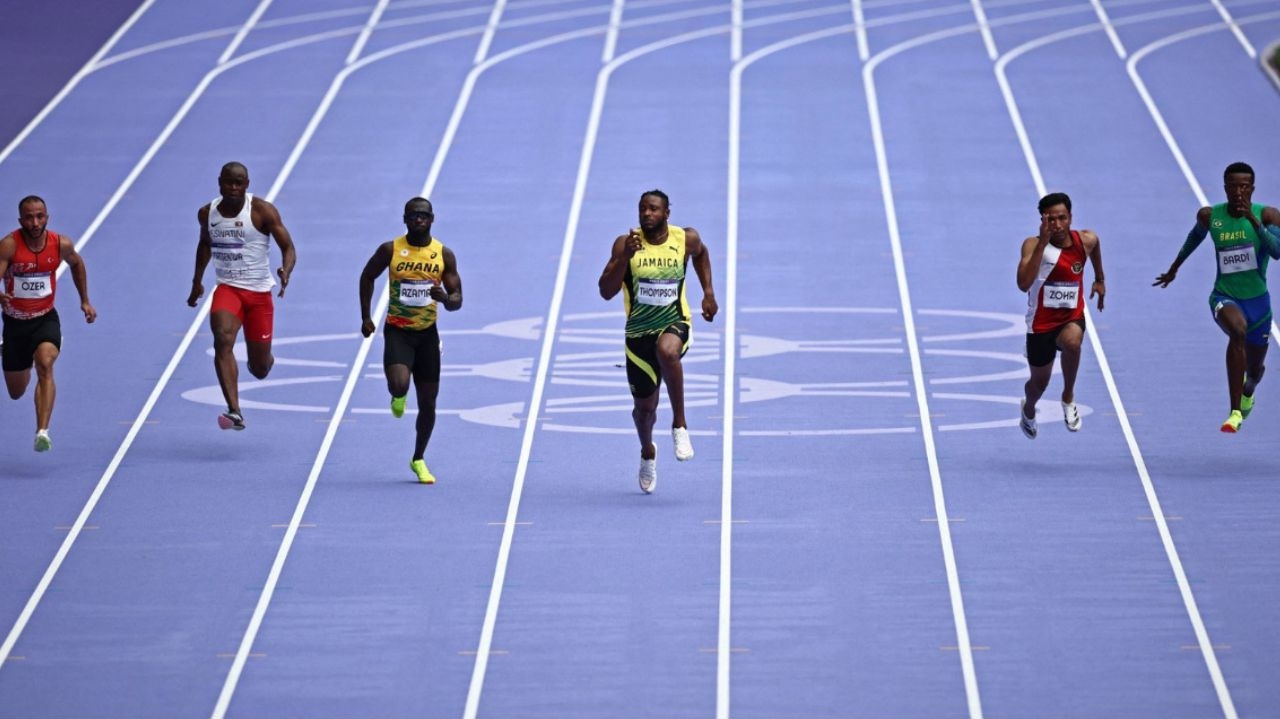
{"points": [[1246, 236]]}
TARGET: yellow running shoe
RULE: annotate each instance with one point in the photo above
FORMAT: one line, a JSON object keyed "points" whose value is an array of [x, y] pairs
{"points": [[397, 406], [425, 476], [1234, 420], [1246, 405]]}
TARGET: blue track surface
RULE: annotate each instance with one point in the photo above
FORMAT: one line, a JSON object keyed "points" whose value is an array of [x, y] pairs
{"points": [[864, 531]]}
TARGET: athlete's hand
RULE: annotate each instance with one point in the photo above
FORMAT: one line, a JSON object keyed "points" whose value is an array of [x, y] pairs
{"points": [[439, 294], [709, 307], [1045, 233], [367, 327], [1165, 279], [197, 291], [635, 241], [90, 314], [1099, 290], [4, 300], [283, 274]]}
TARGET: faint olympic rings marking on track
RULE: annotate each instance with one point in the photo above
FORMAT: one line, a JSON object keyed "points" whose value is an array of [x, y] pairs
{"points": [[598, 365]]}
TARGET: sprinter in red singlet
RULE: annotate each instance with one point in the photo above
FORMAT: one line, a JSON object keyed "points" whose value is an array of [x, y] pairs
{"points": [[234, 228], [1051, 272], [29, 259]]}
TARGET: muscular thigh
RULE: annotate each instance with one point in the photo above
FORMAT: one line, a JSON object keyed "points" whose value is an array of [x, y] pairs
{"points": [[418, 350], [22, 337]]}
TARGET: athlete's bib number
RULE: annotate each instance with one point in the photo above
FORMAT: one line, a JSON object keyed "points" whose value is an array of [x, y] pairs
{"points": [[1061, 296], [657, 292], [1237, 259], [228, 260], [32, 287], [416, 293]]}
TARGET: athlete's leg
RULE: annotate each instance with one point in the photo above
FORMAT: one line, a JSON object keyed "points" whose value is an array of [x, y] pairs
{"points": [[15, 351], [1069, 340], [1035, 386], [1232, 321], [670, 347], [259, 319], [46, 354], [226, 327], [1255, 357], [397, 378], [426, 393], [260, 359], [645, 415], [16, 382], [1041, 349]]}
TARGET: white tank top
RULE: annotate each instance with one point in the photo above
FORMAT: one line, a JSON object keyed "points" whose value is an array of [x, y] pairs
{"points": [[241, 254]]}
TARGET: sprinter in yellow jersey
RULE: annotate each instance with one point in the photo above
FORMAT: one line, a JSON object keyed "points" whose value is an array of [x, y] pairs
{"points": [[422, 272], [648, 266]]}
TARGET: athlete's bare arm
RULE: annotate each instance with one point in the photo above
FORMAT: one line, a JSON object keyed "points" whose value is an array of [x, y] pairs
{"points": [[266, 218], [695, 249], [450, 294], [7, 248], [1200, 230], [1032, 254], [204, 251], [377, 264], [615, 270], [79, 276], [1093, 248]]}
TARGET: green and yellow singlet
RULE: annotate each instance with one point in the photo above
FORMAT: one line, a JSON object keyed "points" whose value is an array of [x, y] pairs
{"points": [[413, 272], [653, 290], [1242, 261]]}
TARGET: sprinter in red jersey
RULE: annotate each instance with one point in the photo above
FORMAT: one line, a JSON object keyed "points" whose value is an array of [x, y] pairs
{"points": [[1051, 272], [29, 259]]}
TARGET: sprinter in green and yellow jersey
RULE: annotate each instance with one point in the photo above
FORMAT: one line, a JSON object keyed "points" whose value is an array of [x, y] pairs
{"points": [[648, 266], [1245, 236], [422, 272]]}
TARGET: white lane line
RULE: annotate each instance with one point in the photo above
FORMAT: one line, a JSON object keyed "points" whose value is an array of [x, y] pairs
{"points": [[860, 22], [611, 38], [230, 52], [491, 29], [358, 47], [84, 71], [988, 39], [964, 646], [47, 578], [1235, 30], [1101, 12], [724, 647], [735, 36]]}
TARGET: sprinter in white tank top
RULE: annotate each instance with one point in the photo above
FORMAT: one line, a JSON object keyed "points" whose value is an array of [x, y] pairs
{"points": [[234, 229]]}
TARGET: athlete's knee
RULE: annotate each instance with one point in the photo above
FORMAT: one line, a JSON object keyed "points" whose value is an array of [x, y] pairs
{"points": [[223, 340], [16, 383], [1038, 382], [261, 368], [646, 406], [668, 357], [43, 362]]}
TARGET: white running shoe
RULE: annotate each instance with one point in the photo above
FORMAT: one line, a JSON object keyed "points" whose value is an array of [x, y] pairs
{"points": [[1028, 424], [649, 472], [43, 443], [684, 448], [1071, 415]]}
